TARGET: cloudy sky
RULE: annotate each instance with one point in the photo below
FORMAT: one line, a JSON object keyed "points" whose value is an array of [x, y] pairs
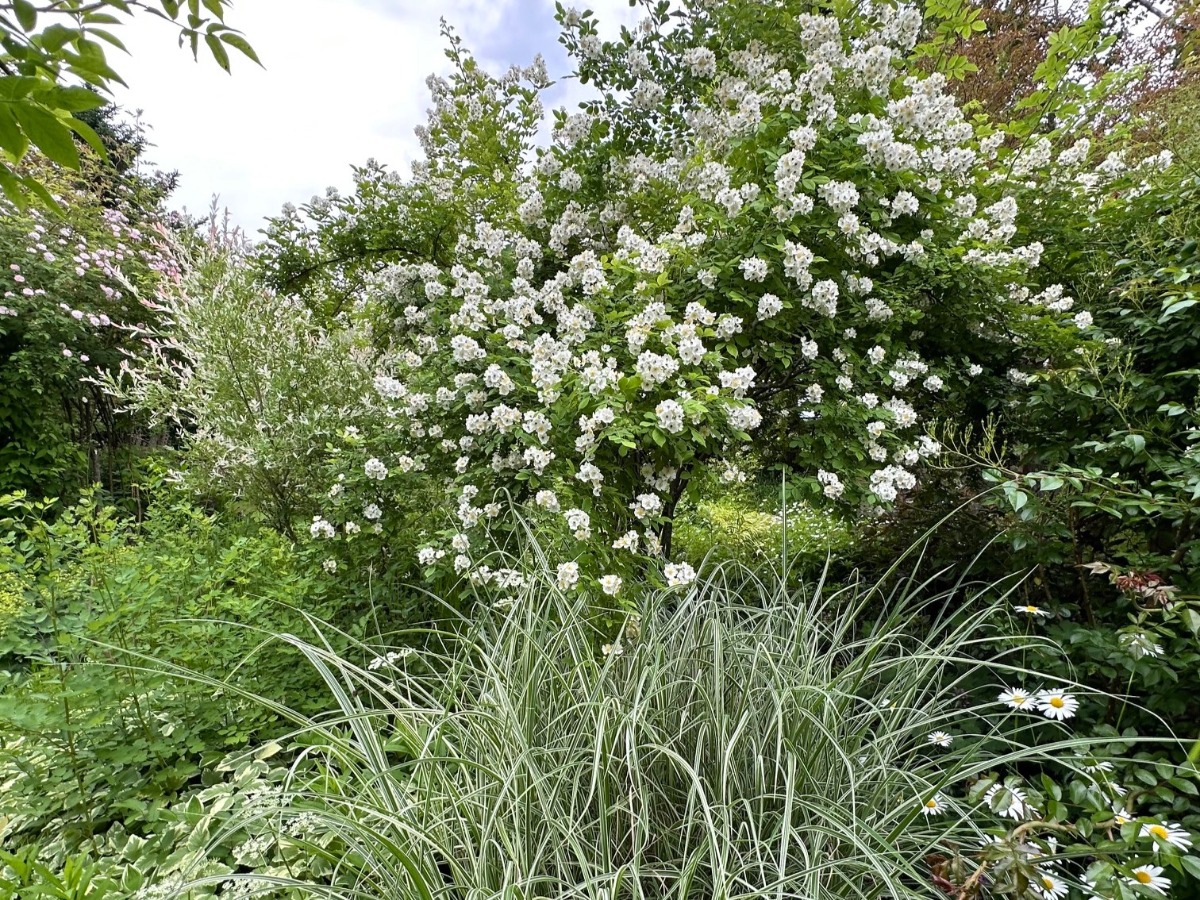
{"points": [[343, 81]]}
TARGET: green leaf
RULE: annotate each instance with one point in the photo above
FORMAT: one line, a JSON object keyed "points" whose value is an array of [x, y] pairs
{"points": [[12, 139], [37, 188], [84, 130], [220, 54], [26, 14], [49, 134], [11, 186], [14, 87], [1192, 619], [1017, 498], [56, 37], [1184, 786], [72, 99], [111, 38], [1176, 307], [239, 42]]}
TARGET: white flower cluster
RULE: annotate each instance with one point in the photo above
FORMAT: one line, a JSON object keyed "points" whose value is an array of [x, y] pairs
{"points": [[611, 313]]}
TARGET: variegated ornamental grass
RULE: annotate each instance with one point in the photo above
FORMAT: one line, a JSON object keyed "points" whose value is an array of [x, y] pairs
{"points": [[736, 739]]}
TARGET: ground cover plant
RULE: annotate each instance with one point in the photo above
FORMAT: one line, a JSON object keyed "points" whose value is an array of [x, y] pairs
{"points": [[92, 742]]}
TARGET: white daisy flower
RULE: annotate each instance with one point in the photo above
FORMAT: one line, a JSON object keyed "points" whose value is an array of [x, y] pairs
{"points": [[1018, 698], [1166, 833], [1031, 610], [940, 739], [1056, 704], [1051, 887], [935, 805], [1151, 877]]}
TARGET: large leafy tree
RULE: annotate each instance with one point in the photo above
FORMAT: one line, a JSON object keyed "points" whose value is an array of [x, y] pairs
{"points": [[1140, 49], [771, 225]]}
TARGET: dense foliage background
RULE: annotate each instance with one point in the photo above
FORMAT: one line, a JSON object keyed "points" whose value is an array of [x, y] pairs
{"points": [[650, 498]]}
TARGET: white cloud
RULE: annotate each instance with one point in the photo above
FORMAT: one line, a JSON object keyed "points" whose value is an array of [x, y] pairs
{"points": [[344, 81]]}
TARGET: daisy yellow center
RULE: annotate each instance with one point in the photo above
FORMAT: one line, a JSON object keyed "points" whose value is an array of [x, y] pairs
{"points": [[1018, 698], [1158, 831], [1031, 609], [1047, 881], [932, 804], [1143, 877], [1057, 702]]}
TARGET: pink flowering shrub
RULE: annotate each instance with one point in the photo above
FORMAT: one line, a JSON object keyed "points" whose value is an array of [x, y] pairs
{"points": [[70, 308]]}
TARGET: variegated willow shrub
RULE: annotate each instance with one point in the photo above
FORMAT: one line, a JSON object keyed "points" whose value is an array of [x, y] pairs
{"points": [[254, 387]]}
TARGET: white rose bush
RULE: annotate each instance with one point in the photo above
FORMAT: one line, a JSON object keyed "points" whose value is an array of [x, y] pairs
{"points": [[771, 230]]}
